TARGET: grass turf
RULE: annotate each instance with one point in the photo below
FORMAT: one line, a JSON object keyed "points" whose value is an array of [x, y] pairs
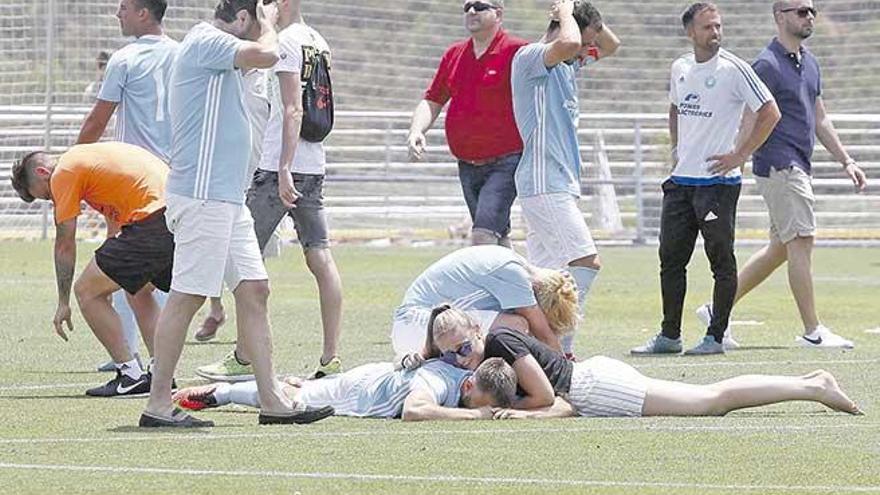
{"points": [[53, 439]]}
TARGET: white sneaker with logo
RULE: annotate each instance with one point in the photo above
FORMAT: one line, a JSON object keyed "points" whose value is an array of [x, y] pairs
{"points": [[824, 338], [704, 314]]}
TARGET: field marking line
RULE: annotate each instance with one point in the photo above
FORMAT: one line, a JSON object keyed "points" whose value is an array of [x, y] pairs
{"points": [[431, 479], [14, 388], [146, 437]]}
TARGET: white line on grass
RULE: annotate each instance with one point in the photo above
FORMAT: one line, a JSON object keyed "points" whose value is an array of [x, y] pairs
{"points": [[148, 437], [432, 479]]}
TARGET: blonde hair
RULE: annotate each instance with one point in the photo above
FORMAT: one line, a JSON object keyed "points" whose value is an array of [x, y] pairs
{"points": [[446, 319], [556, 292]]}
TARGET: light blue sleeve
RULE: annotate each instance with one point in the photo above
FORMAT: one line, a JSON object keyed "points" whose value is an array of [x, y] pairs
{"points": [[217, 51], [115, 76], [511, 286], [528, 63]]}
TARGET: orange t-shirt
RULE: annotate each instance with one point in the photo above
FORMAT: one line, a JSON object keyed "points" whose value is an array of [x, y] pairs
{"points": [[124, 182]]}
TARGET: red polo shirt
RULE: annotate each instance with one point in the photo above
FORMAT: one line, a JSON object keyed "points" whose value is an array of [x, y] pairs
{"points": [[479, 121]]}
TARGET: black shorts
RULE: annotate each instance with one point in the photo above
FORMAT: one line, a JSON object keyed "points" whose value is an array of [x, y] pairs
{"points": [[142, 253]]}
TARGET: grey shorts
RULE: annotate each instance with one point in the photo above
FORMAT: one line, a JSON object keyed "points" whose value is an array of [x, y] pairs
{"points": [[309, 217]]}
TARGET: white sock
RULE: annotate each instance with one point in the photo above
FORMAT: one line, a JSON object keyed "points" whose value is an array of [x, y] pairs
{"points": [[131, 369], [222, 395], [244, 393]]}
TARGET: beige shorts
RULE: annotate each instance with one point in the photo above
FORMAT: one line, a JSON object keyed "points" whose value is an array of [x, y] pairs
{"points": [[557, 233], [214, 242], [409, 330], [790, 201]]}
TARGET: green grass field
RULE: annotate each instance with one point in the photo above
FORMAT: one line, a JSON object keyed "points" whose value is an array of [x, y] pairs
{"points": [[53, 439]]}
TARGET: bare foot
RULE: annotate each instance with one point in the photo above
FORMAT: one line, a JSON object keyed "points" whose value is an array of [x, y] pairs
{"points": [[832, 395]]}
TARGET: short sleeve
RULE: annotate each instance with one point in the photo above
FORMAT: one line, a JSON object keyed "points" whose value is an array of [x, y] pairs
{"points": [[818, 80], [504, 345], [217, 51], [66, 186], [510, 285], [528, 63], [290, 56], [114, 79], [749, 87], [673, 85], [438, 92], [766, 72]]}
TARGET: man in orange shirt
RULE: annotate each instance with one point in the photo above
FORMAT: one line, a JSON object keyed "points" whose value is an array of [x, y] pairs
{"points": [[126, 184]]}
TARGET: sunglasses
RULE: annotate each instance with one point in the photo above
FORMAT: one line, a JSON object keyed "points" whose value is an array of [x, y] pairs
{"points": [[478, 6], [464, 350], [802, 11]]}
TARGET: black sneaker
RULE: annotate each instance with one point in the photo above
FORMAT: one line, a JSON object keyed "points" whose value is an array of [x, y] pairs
{"points": [[300, 416], [122, 385], [178, 419]]}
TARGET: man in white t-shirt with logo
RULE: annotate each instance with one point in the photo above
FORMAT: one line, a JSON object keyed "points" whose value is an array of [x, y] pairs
{"points": [[289, 181], [708, 91]]}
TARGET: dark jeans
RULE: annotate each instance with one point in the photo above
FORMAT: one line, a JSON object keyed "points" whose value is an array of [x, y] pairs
{"points": [[489, 191], [688, 210]]}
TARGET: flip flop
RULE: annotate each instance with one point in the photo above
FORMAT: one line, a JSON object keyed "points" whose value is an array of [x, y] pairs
{"points": [[209, 328]]}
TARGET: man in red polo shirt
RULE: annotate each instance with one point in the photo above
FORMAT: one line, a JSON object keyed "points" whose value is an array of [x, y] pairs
{"points": [[480, 129]]}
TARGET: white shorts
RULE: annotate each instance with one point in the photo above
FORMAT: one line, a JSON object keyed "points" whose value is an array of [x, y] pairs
{"points": [[348, 393], [214, 242], [605, 387], [557, 233], [409, 330]]}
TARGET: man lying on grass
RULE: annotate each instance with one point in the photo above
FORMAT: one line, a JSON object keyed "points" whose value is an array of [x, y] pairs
{"points": [[436, 390], [551, 386]]}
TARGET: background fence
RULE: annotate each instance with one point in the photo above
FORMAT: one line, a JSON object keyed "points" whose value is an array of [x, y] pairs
{"points": [[384, 56]]}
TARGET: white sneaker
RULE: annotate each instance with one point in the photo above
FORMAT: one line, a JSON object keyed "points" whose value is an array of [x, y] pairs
{"points": [[823, 337], [704, 314]]}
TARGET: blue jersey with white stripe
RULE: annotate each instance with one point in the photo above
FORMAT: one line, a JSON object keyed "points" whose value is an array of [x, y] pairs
{"points": [[545, 105], [489, 278], [710, 97], [211, 134], [137, 79], [383, 396]]}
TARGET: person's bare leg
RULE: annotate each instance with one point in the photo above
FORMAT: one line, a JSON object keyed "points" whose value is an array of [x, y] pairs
{"points": [[800, 280], [255, 338], [146, 311], [759, 266], [665, 398], [93, 289], [323, 267], [174, 321]]}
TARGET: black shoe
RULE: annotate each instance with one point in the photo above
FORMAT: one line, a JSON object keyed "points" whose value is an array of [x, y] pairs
{"points": [[122, 385], [303, 416], [178, 419]]}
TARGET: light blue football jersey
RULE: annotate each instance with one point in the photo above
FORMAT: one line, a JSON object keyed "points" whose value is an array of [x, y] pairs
{"points": [[545, 105], [211, 134], [137, 79], [491, 278]]}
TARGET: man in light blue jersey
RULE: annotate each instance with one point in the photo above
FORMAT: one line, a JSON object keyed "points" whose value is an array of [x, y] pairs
{"points": [[434, 391], [545, 104], [497, 288], [213, 231], [136, 83]]}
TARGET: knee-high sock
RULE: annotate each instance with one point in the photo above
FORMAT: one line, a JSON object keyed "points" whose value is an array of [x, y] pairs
{"points": [[241, 393], [130, 331], [584, 278]]}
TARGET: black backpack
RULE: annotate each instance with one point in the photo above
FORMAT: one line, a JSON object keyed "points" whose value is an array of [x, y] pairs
{"points": [[317, 96]]}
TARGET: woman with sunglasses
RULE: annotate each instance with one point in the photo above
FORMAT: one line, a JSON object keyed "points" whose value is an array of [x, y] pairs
{"points": [[551, 386]]}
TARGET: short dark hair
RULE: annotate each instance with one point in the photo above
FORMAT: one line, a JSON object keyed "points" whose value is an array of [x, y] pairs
{"points": [[687, 17], [498, 379], [226, 10], [585, 14], [23, 174], [156, 8]]}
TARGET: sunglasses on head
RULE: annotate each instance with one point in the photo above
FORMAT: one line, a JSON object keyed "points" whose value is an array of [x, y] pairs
{"points": [[464, 350], [802, 11], [478, 6]]}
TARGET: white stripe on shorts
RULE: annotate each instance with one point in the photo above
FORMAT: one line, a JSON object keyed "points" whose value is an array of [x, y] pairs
{"points": [[605, 387]]}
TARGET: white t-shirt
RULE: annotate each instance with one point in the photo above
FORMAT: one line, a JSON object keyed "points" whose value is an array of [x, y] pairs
{"points": [[710, 97], [309, 157], [256, 101]]}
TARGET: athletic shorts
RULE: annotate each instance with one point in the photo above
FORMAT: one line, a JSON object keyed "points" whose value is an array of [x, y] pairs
{"points": [[556, 232], [605, 387], [790, 201], [142, 253], [409, 330], [214, 243], [350, 393]]}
